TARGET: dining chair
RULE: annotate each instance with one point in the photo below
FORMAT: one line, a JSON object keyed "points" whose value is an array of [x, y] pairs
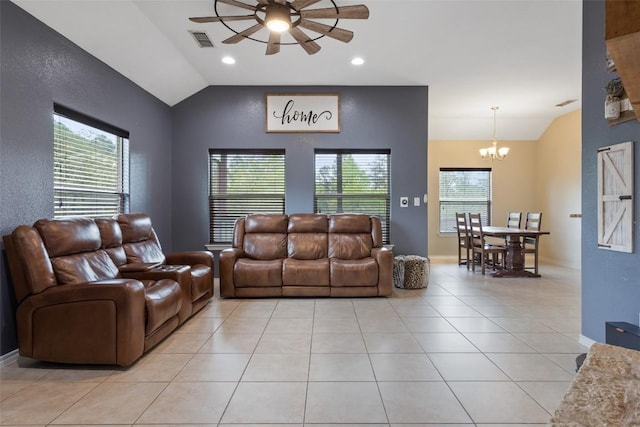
{"points": [[533, 221], [514, 219], [480, 246], [464, 241]]}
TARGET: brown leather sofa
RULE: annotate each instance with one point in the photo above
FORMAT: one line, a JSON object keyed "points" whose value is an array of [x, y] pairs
{"points": [[100, 291], [306, 255]]}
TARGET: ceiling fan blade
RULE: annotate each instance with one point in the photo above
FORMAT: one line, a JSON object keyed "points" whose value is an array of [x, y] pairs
{"points": [[344, 12], [301, 4], [273, 46], [204, 19], [333, 32], [303, 40], [238, 4], [243, 35]]}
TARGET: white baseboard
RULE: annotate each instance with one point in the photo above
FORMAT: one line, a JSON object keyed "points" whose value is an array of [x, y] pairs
{"points": [[9, 358], [442, 259], [587, 342]]}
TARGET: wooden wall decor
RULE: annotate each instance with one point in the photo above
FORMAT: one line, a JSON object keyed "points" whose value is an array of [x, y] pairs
{"points": [[302, 112], [615, 197]]}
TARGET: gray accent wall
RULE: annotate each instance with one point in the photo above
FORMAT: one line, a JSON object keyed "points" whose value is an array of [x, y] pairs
{"points": [[392, 118], [40, 67], [610, 280]]}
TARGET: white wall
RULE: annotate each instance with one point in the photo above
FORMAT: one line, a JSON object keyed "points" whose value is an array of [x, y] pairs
{"points": [[558, 189]]}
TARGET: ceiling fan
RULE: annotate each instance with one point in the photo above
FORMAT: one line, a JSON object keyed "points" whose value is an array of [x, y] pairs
{"points": [[282, 16]]}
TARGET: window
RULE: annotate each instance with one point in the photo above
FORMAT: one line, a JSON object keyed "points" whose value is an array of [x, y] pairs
{"points": [[464, 190], [243, 182], [353, 181], [90, 166]]}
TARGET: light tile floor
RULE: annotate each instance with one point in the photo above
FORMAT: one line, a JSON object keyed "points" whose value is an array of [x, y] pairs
{"points": [[468, 350]]}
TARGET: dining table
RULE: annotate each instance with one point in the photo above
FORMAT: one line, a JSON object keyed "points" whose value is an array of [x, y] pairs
{"points": [[514, 258]]}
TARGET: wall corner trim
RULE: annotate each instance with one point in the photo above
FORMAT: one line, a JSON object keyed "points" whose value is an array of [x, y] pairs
{"points": [[587, 342], [9, 358]]}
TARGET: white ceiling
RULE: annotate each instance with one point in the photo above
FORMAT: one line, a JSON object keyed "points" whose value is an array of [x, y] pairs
{"points": [[521, 55]]}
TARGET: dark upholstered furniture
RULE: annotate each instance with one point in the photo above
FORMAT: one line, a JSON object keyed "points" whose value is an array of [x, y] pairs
{"points": [[306, 255], [100, 291]]}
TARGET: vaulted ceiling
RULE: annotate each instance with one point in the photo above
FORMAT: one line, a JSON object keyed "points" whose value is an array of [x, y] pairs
{"points": [[521, 55]]}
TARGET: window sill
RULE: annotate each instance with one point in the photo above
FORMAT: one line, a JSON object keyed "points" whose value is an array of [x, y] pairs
{"points": [[217, 246]]}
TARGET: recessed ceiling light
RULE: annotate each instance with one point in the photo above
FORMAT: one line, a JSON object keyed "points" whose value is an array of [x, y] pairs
{"points": [[357, 61], [228, 60]]}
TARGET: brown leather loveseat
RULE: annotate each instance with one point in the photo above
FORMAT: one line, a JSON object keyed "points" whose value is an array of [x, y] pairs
{"points": [[306, 255], [100, 291]]}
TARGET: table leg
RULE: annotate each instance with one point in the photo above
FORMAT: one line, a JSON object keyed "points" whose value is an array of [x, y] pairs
{"points": [[514, 261]]}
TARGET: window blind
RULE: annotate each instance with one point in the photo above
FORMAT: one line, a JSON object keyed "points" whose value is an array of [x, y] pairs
{"points": [[91, 169], [464, 190], [243, 182], [353, 181]]}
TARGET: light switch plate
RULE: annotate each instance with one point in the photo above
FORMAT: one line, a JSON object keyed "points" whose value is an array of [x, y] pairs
{"points": [[416, 201], [404, 202]]}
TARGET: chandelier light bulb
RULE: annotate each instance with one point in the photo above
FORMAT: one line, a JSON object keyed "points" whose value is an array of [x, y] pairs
{"points": [[493, 152]]}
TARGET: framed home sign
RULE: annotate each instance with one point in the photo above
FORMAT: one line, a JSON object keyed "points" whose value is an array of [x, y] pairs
{"points": [[303, 112]]}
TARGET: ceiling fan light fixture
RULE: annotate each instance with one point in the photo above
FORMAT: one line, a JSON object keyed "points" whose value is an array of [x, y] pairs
{"points": [[278, 17]]}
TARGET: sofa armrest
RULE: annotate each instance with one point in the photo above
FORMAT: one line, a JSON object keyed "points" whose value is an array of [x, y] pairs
{"points": [[179, 273], [191, 258], [384, 258], [137, 266], [96, 322], [228, 258]]}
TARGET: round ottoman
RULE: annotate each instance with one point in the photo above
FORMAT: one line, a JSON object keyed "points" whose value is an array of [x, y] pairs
{"points": [[398, 271], [416, 272]]}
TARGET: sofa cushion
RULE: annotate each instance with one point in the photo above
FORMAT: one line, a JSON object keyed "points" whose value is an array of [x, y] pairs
{"points": [[350, 236], [305, 273], [307, 246], [363, 272], [349, 223], [85, 267], [136, 227], [349, 246], [143, 252], [265, 246], [163, 301], [308, 223], [69, 236], [110, 232], [266, 223], [111, 236], [139, 240], [257, 273]]}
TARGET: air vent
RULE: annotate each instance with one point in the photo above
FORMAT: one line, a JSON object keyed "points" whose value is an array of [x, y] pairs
{"points": [[567, 102], [201, 38]]}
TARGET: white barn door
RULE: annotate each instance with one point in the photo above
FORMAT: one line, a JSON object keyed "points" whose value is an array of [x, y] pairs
{"points": [[615, 197]]}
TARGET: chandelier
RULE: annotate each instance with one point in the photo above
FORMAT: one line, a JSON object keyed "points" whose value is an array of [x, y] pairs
{"points": [[493, 152]]}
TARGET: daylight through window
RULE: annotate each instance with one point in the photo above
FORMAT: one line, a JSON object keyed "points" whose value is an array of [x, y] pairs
{"points": [[464, 190], [243, 182], [353, 181], [90, 167]]}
